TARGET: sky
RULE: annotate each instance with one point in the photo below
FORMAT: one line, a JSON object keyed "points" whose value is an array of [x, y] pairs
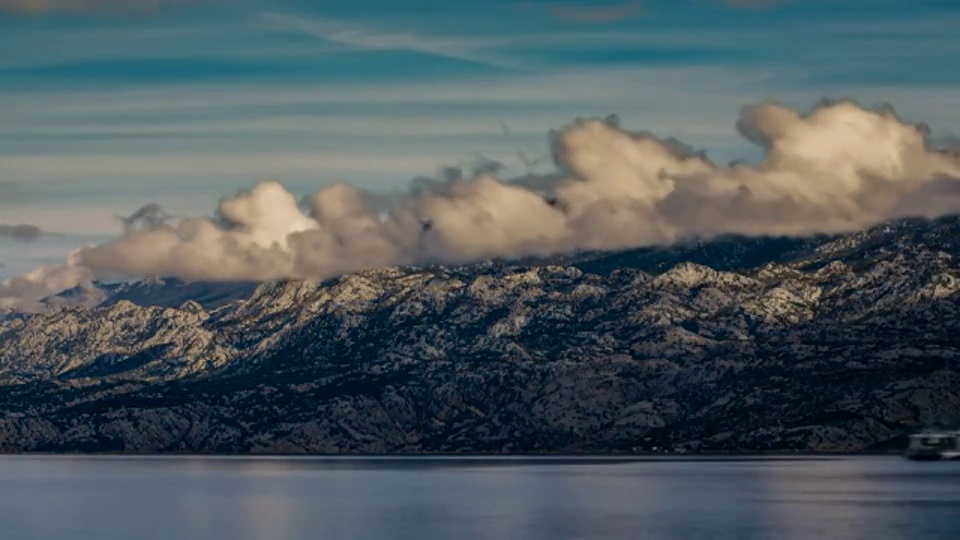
{"points": [[107, 105]]}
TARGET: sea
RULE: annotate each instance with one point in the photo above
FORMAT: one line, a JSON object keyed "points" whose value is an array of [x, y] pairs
{"points": [[279, 498]]}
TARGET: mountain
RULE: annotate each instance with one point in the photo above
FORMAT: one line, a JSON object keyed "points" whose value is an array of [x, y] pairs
{"points": [[841, 343], [169, 292]]}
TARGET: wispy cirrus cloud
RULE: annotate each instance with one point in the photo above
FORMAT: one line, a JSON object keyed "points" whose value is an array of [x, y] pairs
{"points": [[368, 37], [582, 13], [12, 193], [44, 7], [591, 13], [566, 89], [755, 4]]}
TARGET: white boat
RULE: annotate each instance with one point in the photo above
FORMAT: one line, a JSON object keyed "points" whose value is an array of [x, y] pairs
{"points": [[934, 445]]}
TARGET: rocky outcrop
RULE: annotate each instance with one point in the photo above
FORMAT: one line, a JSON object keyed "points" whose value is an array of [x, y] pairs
{"points": [[826, 344]]}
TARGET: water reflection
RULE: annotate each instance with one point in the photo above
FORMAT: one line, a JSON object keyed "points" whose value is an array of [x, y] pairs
{"points": [[865, 498], [280, 498]]}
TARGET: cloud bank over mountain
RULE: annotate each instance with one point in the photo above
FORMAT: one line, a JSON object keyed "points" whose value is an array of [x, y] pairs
{"points": [[839, 167]]}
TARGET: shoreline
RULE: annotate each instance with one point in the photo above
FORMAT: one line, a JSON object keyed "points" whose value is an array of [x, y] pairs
{"points": [[712, 456]]}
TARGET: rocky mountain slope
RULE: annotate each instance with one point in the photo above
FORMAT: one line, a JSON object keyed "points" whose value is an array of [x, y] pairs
{"points": [[823, 344]]}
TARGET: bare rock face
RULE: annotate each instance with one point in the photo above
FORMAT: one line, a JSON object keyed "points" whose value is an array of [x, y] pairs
{"points": [[824, 344]]}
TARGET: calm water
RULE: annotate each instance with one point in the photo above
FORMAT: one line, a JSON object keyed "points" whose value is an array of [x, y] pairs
{"points": [[54, 498]]}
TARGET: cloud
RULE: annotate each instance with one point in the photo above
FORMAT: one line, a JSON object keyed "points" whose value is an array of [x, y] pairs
{"points": [[13, 193], [838, 167], [755, 4], [25, 292], [45, 7], [363, 37], [148, 216], [20, 233], [625, 10], [571, 12]]}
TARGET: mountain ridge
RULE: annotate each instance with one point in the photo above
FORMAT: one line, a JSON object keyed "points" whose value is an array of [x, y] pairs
{"points": [[839, 343]]}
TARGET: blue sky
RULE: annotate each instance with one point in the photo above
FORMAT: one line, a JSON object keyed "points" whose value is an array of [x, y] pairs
{"points": [[183, 102]]}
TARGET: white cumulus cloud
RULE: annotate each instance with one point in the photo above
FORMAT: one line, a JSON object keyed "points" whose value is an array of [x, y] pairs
{"points": [[839, 167]]}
